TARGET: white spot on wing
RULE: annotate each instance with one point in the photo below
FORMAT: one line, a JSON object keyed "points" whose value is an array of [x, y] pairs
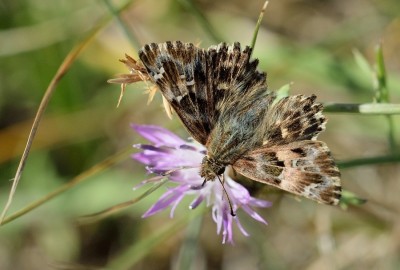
{"points": [[285, 132], [311, 191], [160, 74], [179, 98]]}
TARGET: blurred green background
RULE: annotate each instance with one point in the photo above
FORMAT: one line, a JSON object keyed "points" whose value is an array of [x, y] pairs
{"points": [[309, 43]]}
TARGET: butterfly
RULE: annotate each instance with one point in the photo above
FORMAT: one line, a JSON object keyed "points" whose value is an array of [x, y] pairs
{"points": [[223, 101]]}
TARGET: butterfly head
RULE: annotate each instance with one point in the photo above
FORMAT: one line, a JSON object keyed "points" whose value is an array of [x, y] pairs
{"points": [[210, 169]]}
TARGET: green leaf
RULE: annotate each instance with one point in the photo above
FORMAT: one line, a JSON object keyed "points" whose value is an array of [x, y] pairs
{"points": [[348, 198], [363, 63], [382, 93], [282, 92]]}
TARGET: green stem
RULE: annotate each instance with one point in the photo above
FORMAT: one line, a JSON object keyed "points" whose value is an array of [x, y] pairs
{"points": [[255, 34], [369, 161], [382, 92], [366, 108], [78, 179], [115, 12], [392, 140], [189, 248], [188, 4], [121, 206]]}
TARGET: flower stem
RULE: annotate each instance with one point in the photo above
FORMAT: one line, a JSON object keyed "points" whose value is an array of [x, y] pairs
{"points": [[99, 167], [369, 161], [189, 248], [121, 206], [255, 34], [391, 136], [134, 253]]}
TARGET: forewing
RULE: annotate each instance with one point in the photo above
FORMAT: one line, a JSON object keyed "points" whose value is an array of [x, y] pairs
{"points": [[293, 118], [240, 113], [305, 168], [196, 81], [180, 73]]}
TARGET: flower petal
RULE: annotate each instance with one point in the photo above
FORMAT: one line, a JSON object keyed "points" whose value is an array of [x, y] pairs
{"points": [[196, 202], [254, 214], [227, 235], [244, 232], [150, 180], [158, 135], [168, 159], [188, 176], [166, 200], [259, 203], [177, 201]]}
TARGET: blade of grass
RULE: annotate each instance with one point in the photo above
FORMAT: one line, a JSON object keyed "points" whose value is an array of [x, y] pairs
{"points": [[121, 206], [42, 107], [255, 34], [96, 169], [362, 63], [381, 90], [188, 250], [382, 93], [201, 18], [115, 13], [62, 70]]}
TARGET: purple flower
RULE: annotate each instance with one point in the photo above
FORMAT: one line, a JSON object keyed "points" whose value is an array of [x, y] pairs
{"points": [[181, 160]]}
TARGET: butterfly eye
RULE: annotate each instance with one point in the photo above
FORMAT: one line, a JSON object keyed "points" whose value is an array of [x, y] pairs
{"points": [[221, 171]]}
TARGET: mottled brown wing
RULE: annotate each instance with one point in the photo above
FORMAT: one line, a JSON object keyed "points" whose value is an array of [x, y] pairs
{"points": [[305, 168], [293, 118], [196, 81]]}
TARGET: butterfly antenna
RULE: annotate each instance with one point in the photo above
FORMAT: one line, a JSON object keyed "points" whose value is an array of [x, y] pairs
{"points": [[227, 196], [204, 183]]}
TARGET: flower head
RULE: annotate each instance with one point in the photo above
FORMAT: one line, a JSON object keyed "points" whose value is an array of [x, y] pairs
{"points": [[181, 160]]}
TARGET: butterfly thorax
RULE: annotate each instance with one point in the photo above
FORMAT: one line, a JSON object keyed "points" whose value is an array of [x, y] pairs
{"points": [[210, 168]]}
